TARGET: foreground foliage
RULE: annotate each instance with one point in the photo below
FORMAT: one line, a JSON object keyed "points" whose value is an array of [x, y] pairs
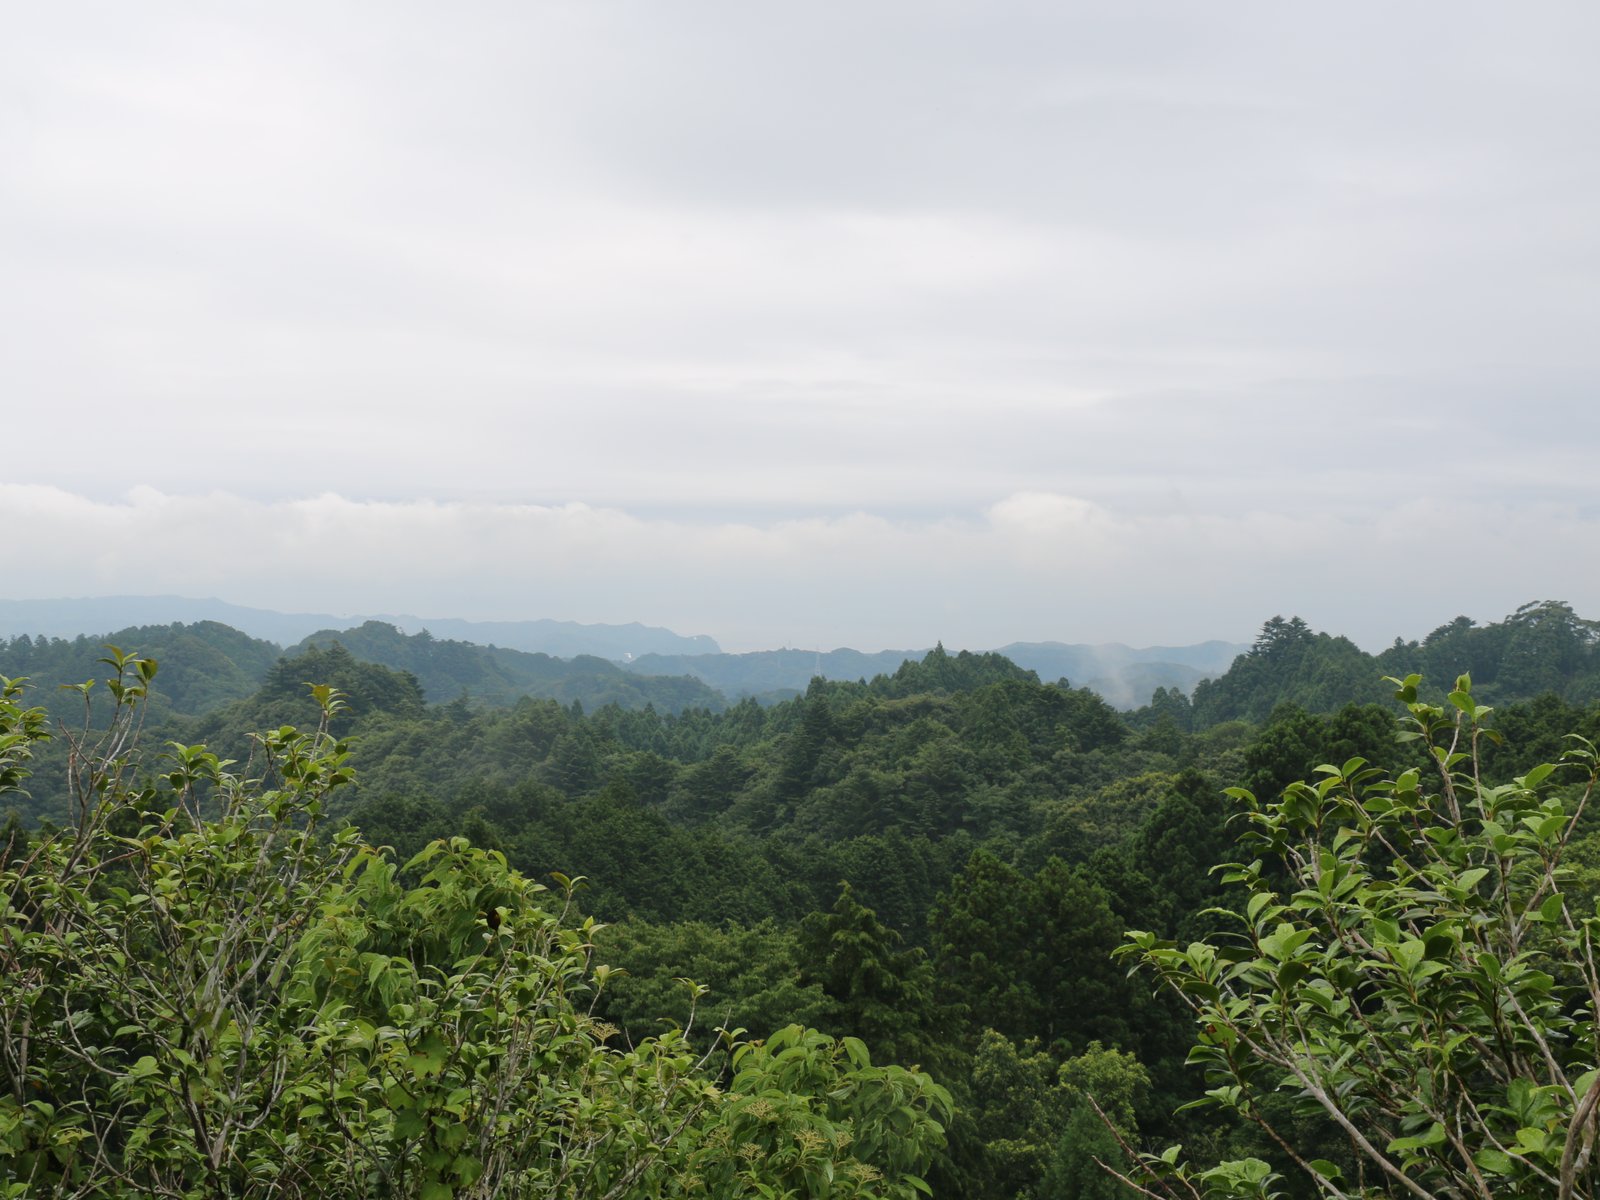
{"points": [[1414, 968], [203, 993], [995, 836]]}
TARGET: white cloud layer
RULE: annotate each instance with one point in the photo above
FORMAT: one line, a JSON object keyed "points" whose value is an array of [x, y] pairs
{"points": [[1034, 566]]}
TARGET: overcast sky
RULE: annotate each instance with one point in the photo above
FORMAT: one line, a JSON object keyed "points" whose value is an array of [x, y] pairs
{"points": [[810, 324]]}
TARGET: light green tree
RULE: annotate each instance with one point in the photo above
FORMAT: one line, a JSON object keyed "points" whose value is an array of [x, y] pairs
{"points": [[1408, 965], [1103, 1088]]}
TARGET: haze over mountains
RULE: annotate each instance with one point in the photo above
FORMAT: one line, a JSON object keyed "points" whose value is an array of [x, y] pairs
{"points": [[497, 661], [1125, 676]]}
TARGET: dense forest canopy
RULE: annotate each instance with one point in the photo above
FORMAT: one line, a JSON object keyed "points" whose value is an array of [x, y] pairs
{"points": [[939, 861]]}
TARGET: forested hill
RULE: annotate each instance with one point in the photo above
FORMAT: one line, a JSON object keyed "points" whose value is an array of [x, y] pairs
{"points": [[1543, 647], [206, 666], [497, 676]]}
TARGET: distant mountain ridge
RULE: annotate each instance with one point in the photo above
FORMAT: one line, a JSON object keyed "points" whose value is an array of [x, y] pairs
{"points": [[1543, 647], [92, 616], [1125, 676]]}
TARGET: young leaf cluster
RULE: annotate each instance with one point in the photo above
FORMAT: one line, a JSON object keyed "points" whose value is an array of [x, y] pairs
{"points": [[1407, 965]]}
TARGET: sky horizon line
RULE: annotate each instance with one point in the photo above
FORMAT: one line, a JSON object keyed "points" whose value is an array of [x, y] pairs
{"points": [[1032, 542]]}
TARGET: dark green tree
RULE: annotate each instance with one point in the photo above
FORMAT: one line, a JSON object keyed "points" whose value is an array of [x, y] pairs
{"points": [[876, 990]]}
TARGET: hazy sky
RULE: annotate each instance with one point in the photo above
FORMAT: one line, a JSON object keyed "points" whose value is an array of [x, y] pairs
{"points": [[811, 324]]}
